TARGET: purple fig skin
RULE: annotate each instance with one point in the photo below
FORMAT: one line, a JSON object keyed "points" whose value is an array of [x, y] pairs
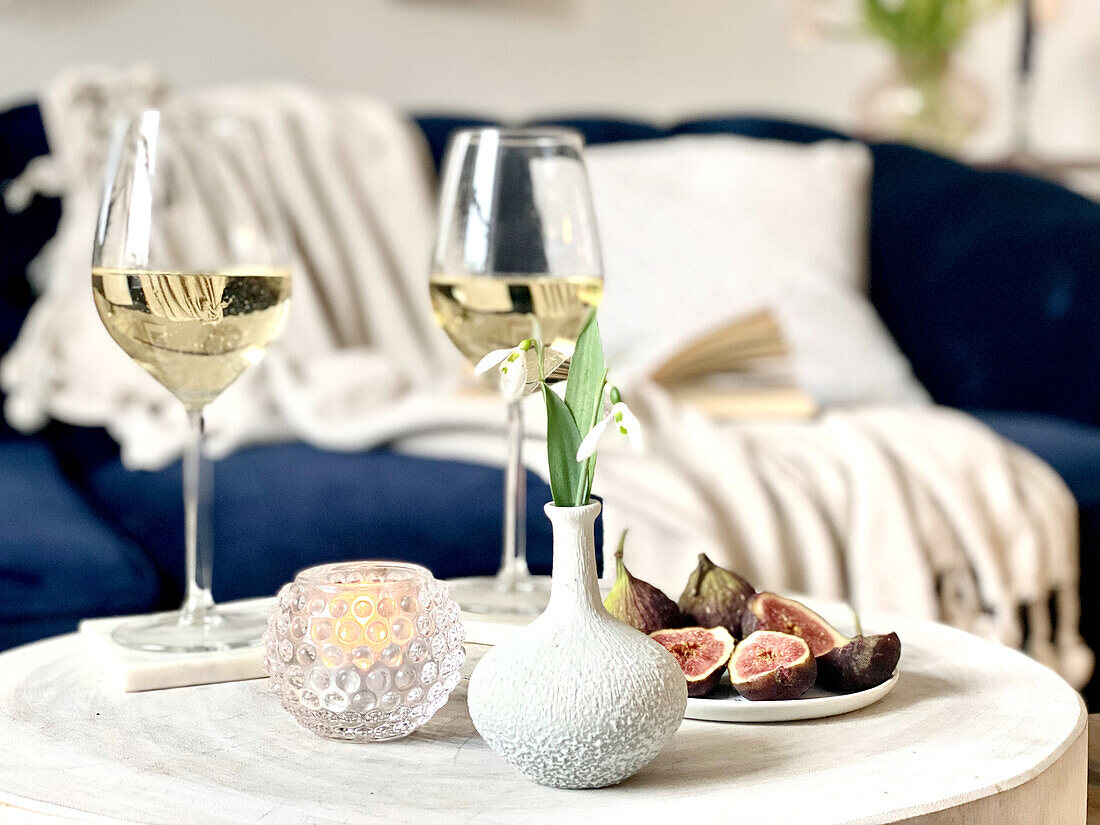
{"points": [[638, 603], [864, 662], [715, 597], [707, 666], [680, 620], [787, 680], [768, 611], [700, 688]]}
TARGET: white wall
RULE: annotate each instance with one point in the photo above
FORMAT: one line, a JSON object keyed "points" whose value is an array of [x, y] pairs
{"points": [[659, 58]]}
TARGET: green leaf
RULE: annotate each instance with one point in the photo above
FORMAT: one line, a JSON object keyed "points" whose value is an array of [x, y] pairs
{"points": [[587, 372], [924, 29], [562, 440]]}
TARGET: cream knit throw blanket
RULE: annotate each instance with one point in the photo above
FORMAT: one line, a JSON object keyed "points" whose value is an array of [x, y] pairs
{"points": [[920, 511]]}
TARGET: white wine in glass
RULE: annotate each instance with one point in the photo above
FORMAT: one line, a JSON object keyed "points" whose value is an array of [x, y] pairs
{"points": [[191, 278], [517, 257], [195, 332], [481, 314]]}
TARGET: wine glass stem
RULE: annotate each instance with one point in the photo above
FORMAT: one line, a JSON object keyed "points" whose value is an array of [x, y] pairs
{"points": [[513, 566], [197, 601]]}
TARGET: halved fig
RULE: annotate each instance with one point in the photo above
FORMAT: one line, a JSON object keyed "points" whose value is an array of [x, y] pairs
{"points": [[864, 662], [767, 611], [767, 666], [702, 653]]}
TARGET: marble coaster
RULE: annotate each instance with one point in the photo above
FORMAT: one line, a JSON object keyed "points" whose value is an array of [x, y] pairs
{"points": [[135, 670], [492, 629]]}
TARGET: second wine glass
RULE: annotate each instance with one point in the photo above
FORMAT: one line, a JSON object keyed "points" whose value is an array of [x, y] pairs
{"points": [[517, 257]]}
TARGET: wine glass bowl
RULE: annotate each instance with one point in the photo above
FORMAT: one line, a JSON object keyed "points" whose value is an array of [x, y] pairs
{"points": [[517, 256], [191, 278]]}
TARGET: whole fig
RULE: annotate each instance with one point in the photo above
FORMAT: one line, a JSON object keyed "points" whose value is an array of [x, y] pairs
{"points": [[715, 597], [638, 603]]}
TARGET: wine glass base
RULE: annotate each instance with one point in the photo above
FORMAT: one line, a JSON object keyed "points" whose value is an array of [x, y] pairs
{"points": [[528, 595], [215, 630]]}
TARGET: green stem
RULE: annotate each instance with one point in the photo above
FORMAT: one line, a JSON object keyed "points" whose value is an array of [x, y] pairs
{"points": [[590, 463], [622, 543], [542, 366]]}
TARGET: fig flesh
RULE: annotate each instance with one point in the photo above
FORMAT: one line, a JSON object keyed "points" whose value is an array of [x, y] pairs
{"points": [[770, 666], [702, 653], [638, 603], [864, 662], [767, 611], [715, 597]]}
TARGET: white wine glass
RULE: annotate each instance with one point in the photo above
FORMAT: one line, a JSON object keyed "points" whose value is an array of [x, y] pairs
{"points": [[191, 277], [517, 257]]}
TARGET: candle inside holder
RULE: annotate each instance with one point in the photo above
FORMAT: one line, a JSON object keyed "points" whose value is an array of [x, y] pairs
{"points": [[364, 651]]}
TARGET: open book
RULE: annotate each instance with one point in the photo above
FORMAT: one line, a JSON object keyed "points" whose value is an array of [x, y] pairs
{"points": [[739, 369]]}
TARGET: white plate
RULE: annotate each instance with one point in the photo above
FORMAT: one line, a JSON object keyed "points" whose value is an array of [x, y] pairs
{"points": [[726, 706]]}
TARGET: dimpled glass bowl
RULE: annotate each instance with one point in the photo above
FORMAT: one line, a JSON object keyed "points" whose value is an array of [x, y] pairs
{"points": [[364, 651]]}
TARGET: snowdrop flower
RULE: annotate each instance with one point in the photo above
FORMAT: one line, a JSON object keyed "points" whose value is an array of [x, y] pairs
{"points": [[513, 368], [624, 420]]}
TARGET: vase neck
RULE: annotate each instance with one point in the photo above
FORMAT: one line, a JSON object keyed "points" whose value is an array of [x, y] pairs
{"points": [[575, 584], [921, 66]]}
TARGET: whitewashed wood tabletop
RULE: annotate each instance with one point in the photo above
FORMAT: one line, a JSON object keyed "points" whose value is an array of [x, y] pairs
{"points": [[968, 720]]}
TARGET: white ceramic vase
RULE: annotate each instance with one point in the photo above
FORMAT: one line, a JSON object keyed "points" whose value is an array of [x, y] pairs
{"points": [[577, 699]]}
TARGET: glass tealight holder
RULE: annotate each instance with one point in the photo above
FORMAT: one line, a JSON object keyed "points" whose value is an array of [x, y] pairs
{"points": [[364, 651]]}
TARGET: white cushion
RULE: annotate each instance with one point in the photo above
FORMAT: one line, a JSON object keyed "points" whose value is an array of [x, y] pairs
{"points": [[699, 230]]}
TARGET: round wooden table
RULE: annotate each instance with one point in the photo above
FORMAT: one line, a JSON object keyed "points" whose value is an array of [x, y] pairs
{"points": [[974, 733]]}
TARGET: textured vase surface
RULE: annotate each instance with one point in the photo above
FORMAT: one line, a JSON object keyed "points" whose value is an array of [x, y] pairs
{"points": [[577, 699]]}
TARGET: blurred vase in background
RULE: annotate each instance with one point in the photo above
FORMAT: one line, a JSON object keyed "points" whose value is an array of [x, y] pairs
{"points": [[926, 100], [924, 97]]}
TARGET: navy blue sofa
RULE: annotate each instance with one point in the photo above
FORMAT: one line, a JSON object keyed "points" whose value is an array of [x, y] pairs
{"points": [[989, 281]]}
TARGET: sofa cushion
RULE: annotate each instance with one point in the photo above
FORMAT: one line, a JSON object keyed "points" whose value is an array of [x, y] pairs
{"points": [[58, 560], [279, 508], [750, 224]]}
